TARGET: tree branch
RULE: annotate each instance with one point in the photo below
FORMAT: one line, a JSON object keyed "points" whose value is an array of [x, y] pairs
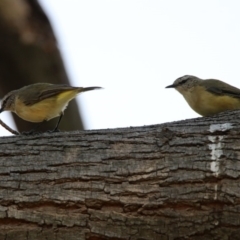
{"points": [[171, 181]]}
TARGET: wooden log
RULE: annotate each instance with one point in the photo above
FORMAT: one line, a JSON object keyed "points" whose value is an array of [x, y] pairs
{"points": [[176, 180]]}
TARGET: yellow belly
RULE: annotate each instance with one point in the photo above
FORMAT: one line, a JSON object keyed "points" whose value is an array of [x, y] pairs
{"points": [[46, 109], [207, 104]]}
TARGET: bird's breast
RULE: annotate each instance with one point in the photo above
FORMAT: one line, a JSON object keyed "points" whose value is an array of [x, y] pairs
{"points": [[46, 109], [206, 103]]}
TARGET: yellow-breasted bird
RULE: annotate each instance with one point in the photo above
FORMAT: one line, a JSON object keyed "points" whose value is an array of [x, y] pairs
{"points": [[41, 101], [207, 97]]}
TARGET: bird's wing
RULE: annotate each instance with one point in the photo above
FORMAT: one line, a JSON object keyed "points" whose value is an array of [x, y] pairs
{"points": [[42, 92], [220, 88], [55, 91]]}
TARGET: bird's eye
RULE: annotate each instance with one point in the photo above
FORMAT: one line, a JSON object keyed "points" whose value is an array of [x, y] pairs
{"points": [[183, 81]]}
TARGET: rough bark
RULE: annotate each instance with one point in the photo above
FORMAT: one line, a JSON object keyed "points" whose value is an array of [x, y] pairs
{"points": [[176, 180], [29, 54]]}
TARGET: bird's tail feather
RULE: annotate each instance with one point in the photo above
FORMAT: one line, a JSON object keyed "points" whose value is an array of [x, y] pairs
{"points": [[89, 89]]}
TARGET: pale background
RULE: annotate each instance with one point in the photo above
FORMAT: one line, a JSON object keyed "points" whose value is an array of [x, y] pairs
{"points": [[135, 48]]}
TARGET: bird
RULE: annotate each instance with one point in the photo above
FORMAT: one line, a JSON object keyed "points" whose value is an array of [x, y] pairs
{"points": [[207, 97], [41, 101]]}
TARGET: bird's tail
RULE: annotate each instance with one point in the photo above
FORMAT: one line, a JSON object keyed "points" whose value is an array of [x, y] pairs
{"points": [[89, 89]]}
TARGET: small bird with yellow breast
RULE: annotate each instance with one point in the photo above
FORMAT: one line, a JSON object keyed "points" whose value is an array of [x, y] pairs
{"points": [[207, 97], [41, 101]]}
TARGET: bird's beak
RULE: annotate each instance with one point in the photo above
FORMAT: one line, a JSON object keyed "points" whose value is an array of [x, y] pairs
{"points": [[171, 86]]}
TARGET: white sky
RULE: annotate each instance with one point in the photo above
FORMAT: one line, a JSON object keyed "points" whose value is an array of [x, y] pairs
{"points": [[135, 48]]}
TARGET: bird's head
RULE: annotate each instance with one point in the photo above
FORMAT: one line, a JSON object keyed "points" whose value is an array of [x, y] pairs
{"points": [[185, 83], [8, 102]]}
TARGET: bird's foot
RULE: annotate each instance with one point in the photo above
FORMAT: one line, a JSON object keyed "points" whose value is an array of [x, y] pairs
{"points": [[54, 130], [34, 132], [31, 132]]}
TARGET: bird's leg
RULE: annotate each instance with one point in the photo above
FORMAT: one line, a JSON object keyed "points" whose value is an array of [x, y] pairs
{"points": [[59, 120], [33, 131]]}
